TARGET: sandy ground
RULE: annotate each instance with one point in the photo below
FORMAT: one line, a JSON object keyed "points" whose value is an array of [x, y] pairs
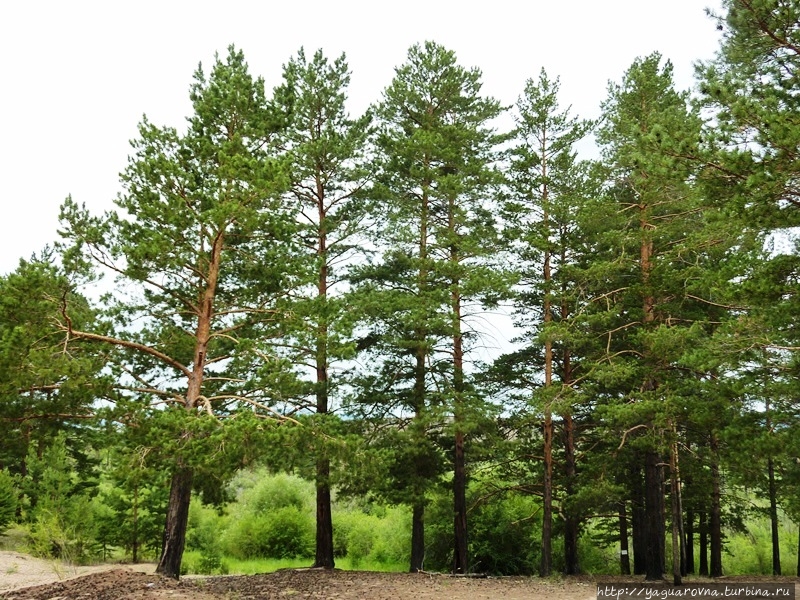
{"points": [[19, 570]]}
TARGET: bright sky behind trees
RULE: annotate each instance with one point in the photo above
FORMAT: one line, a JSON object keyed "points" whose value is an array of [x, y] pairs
{"points": [[78, 76]]}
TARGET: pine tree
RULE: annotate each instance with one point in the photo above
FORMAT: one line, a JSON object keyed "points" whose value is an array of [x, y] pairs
{"points": [[751, 91], [437, 151], [647, 135], [47, 386], [547, 186], [202, 252], [327, 175]]}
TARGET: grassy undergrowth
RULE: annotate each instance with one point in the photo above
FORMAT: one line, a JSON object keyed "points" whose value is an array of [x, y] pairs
{"points": [[193, 562]]}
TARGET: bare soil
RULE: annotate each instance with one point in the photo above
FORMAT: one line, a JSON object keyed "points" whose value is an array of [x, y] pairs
{"points": [[23, 577], [26, 578]]}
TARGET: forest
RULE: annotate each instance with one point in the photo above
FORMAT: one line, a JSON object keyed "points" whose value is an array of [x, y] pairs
{"points": [[286, 341]]}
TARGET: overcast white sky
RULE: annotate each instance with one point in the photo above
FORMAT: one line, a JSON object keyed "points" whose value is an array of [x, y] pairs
{"points": [[76, 76]]}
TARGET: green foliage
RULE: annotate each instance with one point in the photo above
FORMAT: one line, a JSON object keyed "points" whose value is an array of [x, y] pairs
{"points": [[504, 531], [58, 505], [47, 386], [504, 535], [749, 552], [8, 501], [651, 314], [204, 528], [273, 519], [379, 537], [284, 532]]}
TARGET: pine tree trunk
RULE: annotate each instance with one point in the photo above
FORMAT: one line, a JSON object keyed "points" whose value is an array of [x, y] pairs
{"points": [[638, 526], [624, 554], [324, 529], [677, 517], [324, 545], [460, 558], [324, 518], [689, 534], [546, 565], [571, 522], [703, 571], [715, 525], [177, 519], [654, 517], [181, 488], [773, 517], [418, 504], [417, 537], [460, 564]]}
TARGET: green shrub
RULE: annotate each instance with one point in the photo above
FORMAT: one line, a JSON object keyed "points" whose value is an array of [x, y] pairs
{"points": [[361, 539], [211, 563], [204, 528], [270, 492], [343, 523], [381, 537], [283, 533], [594, 558], [68, 534]]}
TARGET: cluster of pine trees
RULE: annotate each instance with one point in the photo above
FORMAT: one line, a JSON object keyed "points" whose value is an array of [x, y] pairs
{"points": [[296, 286]]}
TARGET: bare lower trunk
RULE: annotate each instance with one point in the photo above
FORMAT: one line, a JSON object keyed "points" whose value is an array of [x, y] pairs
{"points": [[716, 512], [418, 502], [417, 537], [677, 517], [177, 519], [773, 517], [546, 565], [571, 523], [703, 571], [638, 526], [689, 535], [460, 564], [324, 545], [654, 518], [624, 556]]}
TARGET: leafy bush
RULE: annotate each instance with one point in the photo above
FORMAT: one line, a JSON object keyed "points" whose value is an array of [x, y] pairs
{"points": [[383, 537], [361, 539], [8, 501], [260, 492], [273, 518], [282, 533], [68, 534], [204, 528]]}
